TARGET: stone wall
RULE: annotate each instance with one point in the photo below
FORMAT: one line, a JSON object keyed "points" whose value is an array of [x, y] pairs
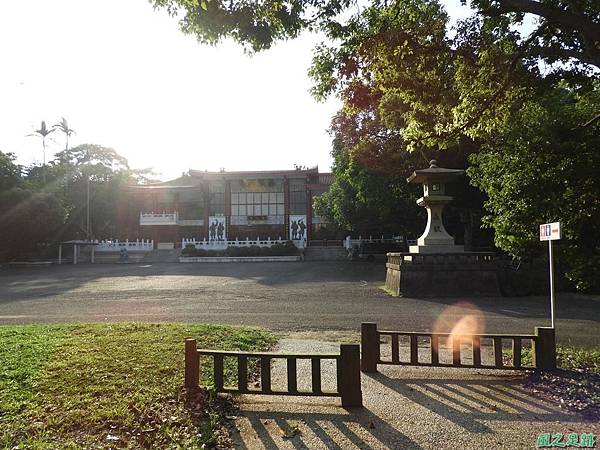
{"points": [[442, 275]]}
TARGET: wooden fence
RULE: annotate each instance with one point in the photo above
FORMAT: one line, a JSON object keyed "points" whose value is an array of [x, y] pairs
{"points": [[542, 345], [347, 368]]}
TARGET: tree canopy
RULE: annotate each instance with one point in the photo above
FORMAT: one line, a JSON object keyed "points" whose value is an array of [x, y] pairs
{"points": [[513, 99], [545, 167], [565, 30]]}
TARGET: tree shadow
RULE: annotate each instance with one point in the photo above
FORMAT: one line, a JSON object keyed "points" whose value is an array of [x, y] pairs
{"points": [[24, 283]]}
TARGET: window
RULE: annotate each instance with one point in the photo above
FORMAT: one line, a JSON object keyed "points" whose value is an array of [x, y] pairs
{"points": [[298, 196], [257, 204]]}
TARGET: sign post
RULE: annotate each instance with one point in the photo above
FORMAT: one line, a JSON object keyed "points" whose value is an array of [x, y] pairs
{"points": [[550, 232]]}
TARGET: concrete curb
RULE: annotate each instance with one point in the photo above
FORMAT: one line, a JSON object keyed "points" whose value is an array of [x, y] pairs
{"points": [[236, 259]]}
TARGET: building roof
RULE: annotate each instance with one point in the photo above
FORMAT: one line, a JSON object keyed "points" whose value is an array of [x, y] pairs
{"points": [[253, 173], [434, 173], [194, 178]]}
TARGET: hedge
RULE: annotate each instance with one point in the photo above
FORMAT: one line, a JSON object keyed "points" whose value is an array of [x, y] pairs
{"points": [[285, 249]]}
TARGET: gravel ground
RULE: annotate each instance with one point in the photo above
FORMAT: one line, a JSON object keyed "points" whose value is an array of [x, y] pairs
{"points": [[405, 408], [284, 297]]}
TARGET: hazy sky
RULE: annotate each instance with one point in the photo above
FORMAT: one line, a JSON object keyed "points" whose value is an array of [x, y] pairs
{"points": [[124, 76]]}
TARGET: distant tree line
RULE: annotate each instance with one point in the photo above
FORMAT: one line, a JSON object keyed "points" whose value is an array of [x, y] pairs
{"points": [[43, 204]]}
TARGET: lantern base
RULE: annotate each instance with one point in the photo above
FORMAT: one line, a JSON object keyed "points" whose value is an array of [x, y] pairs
{"points": [[436, 248], [466, 274]]}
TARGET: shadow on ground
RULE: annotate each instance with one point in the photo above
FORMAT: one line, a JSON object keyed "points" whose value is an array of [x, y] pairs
{"points": [[409, 409], [360, 428]]}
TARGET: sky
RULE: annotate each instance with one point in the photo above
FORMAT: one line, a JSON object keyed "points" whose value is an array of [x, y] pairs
{"points": [[124, 76]]}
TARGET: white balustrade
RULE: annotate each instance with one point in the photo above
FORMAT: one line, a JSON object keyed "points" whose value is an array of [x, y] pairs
{"points": [[221, 245], [139, 245]]}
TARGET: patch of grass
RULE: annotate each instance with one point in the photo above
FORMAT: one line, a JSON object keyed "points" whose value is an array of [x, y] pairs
{"points": [[573, 358], [23, 353], [568, 358], [388, 291], [119, 385]]}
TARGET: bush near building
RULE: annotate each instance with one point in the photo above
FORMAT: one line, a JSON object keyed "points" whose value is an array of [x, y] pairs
{"points": [[284, 249]]}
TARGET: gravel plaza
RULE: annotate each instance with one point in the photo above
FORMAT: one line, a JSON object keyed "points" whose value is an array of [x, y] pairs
{"points": [[285, 297]]}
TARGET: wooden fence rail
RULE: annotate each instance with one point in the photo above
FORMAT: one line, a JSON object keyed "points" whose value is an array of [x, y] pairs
{"points": [[542, 346], [347, 368]]}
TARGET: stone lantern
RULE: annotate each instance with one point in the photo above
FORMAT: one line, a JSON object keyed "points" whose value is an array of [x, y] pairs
{"points": [[435, 238], [436, 267]]}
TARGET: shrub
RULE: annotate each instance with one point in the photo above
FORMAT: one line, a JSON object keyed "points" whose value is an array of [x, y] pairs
{"points": [[286, 248]]}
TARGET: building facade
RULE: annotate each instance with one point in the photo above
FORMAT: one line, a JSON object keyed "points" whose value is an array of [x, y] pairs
{"points": [[226, 206]]}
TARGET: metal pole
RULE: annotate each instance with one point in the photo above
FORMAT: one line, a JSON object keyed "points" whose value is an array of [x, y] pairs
{"points": [[87, 228], [551, 282]]}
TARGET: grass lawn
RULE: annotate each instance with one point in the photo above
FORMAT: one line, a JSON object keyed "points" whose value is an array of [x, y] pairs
{"points": [[108, 385]]}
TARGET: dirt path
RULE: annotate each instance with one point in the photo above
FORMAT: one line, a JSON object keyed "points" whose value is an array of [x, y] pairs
{"points": [[404, 408]]}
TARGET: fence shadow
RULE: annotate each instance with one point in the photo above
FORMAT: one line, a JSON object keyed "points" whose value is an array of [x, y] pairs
{"points": [[472, 403], [307, 430]]}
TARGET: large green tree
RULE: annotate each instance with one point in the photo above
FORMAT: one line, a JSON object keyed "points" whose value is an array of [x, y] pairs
{"points": [[368, 201], [102, 172], [545, 167], [564, 30]]}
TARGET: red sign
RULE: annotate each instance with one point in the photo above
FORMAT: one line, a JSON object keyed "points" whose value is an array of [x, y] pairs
{"points": [[550, 231]]}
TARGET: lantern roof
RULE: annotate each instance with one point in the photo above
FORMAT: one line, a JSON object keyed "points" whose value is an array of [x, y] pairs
{"points": [[434, 173]]}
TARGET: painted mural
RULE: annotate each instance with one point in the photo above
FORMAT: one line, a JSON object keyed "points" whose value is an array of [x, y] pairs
{"points": [[298, 228], [217, 228]]}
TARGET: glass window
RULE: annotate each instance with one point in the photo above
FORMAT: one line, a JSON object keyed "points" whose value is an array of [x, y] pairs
{"points": [[260, 203]]}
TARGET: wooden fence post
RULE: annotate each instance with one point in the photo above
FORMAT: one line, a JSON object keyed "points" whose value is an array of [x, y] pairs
{"points": [[369, 343], [192, 365], [349, 376], [545, 348]]}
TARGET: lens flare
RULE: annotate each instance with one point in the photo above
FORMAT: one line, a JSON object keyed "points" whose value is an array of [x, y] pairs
{"points": [[460, 319]]}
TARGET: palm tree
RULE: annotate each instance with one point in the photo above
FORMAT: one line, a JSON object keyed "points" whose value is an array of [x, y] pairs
{"points": [[43, 132], [63, 126]]}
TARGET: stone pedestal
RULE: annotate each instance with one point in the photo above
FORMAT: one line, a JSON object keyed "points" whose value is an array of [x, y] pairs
{"points": [[465, 274]]}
